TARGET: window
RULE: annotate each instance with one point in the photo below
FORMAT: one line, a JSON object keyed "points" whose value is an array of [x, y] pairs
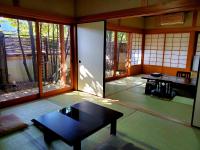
{"points": [[176, 48], [154, 46], [136, 48]]}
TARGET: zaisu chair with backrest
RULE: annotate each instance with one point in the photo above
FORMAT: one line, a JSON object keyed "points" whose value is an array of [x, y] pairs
{"points": [[164, 89], [183, 74]]}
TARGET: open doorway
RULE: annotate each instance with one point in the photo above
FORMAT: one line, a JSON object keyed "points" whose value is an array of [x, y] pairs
{"points": [[153, 48]]}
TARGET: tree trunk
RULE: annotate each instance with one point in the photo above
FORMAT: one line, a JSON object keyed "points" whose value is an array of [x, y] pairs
{"points": [[66, 45], [57, 65], [30, 25], [23, 54], [3, 61], [53, 48]]}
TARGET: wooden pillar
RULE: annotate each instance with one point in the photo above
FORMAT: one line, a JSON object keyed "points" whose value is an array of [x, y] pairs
{"points": [[63, 60], [192, 43], [39, 58], [129, 53], [74, 57], [142, 57], [115, 53]]}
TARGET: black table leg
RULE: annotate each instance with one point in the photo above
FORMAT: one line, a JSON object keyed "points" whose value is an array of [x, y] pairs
{"points": [[77, 146], [113, 127], [49, 137]]}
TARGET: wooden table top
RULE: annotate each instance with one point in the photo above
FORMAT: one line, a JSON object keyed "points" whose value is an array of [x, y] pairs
{"points": [[174, 79], [91, 118]]}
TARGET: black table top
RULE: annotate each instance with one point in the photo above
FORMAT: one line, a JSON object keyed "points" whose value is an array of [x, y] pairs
{"points": [[174, 79], [92, 117]]}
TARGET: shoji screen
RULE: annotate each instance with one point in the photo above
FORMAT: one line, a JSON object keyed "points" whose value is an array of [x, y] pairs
{"points": [[136, 48], [176, 49], [154, 46]]}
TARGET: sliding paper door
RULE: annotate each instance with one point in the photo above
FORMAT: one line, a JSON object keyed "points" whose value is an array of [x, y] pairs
{"points": [[91, 57]]}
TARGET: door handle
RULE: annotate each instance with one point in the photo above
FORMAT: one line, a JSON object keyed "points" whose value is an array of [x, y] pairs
{"points": [[79, 61]]}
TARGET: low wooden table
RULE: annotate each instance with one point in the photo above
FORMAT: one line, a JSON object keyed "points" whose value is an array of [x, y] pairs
{"points": [[74, 124], [187, 85], [174, 79]]}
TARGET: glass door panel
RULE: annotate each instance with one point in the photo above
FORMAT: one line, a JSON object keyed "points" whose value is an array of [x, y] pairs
{"points": [[110, 45], [18, 63], [55, 70], [122, 50]]}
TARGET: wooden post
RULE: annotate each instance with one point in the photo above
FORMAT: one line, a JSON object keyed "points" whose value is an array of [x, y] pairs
{"points": [[192, 43], [39, 58], [63, 60], [142, 57], [129, 53], [74, 57], [115, 54]]}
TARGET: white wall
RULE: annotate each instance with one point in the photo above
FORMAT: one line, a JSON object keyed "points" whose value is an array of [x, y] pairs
{"points": [[16, 70], [91, 54]]}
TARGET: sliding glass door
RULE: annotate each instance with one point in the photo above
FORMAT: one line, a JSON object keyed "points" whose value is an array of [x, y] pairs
{"points": [[116, 54], [110, 53], [55, 48], [19, 53], [18, 63], [122, 51]]}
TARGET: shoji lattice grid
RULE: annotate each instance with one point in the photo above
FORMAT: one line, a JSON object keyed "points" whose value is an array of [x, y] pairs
{"points": [[136, 49], [154, 46], [176, 49]]}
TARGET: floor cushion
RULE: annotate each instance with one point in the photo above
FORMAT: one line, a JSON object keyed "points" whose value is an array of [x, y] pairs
{"points": [[10, 123]]}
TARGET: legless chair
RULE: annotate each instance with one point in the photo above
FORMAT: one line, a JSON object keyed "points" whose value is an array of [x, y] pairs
{"points": [[183, 74]]}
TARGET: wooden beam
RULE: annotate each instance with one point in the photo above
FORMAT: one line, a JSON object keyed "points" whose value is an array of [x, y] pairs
{"points": [[24, 13], [175, 6], [171, 30], [114, 27]]}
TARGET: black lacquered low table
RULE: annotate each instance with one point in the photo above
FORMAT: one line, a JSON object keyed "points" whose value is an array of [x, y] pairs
{"points": [[75, 123]]}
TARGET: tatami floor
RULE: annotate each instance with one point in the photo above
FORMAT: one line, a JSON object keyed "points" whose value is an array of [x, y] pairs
{"points": [[141, 128], [130, 91]]}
